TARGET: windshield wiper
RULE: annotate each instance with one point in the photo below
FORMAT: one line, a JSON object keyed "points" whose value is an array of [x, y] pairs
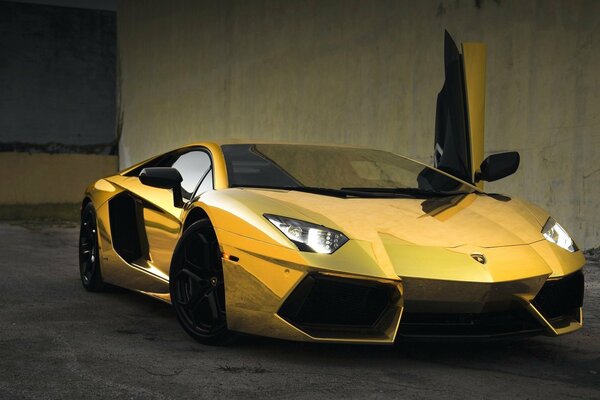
{"points": [[308, 189], [342, 193], [319, 190], [409, 192]]}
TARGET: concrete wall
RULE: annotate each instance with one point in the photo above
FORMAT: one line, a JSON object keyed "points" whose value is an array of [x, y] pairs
{"points": [[57, 94], [368, 72], [50, 178], [57, 74]]}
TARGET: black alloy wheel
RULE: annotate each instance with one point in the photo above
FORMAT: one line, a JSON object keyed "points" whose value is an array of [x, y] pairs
{"points": [[89, 255], [197, 287]]}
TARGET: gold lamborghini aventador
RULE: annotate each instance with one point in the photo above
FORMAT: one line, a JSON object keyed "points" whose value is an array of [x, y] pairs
{"points": [[338, 244], [325, 243]]}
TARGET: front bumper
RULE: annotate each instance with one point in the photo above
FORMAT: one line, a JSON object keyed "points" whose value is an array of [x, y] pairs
{"points": [[331, 307], [271, 291]]}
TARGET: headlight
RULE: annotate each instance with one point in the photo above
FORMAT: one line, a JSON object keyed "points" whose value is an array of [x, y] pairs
{"points": [[307, 236], [556, 234]]}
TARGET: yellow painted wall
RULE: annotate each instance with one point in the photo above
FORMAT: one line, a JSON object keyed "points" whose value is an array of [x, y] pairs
{"points": [[368, 72], [50, 178]]}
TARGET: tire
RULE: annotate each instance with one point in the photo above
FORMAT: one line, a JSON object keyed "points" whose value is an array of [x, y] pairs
{"points": [[197, 287], [89, 254]]}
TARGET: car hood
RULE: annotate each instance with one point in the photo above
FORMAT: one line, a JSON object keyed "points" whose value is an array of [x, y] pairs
{"points": [[474, 219]]}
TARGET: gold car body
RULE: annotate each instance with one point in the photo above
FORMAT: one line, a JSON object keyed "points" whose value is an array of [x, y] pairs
{"points": [[428, 253]]}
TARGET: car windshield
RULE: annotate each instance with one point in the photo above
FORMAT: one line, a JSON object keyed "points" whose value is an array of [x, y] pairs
{"points": [[333, 170]]}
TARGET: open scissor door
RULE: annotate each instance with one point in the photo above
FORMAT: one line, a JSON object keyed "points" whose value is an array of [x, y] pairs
{"points": [[460, 111]]}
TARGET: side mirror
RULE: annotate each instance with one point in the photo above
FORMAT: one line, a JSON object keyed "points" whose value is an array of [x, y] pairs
{"points": [[498, 166], [164, 178]]}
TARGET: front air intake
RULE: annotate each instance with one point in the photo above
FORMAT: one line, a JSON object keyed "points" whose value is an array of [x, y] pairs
{"points": [[322, 302], [514, 321], [560, 297]]}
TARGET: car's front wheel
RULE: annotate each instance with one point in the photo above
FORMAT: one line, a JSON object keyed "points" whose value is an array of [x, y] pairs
{"points": [[197, 287]]}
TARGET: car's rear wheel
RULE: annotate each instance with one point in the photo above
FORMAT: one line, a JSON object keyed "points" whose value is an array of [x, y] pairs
{"points": [[197, 287], [89, 255]]}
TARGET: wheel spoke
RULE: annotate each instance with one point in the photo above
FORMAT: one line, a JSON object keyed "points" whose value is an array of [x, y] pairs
{"points": [[195, 316], [213, 304], [192, 266], [195, 284], [197, 297], [200, 313], [188, 274]]}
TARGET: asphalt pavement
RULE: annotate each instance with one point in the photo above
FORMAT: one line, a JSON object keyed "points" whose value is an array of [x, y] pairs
{"points": [[58, 341]]}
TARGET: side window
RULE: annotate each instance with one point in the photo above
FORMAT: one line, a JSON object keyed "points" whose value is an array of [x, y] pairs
{"points": [[192, 166]]}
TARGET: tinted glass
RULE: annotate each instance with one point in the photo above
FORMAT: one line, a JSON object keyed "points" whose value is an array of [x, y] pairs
{"points": [[247, 166], [192, 166], [282, 165]]}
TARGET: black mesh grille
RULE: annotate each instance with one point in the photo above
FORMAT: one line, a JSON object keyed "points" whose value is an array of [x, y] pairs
{"points": [[324, 301], [508, 322], [560, 297]]}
